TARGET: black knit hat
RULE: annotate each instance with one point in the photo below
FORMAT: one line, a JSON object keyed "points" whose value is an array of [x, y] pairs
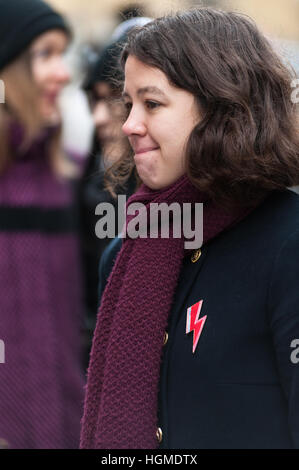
{"points": [[21, 21], [106, 68]]}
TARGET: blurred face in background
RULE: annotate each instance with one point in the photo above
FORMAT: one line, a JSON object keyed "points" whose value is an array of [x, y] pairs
{"points": [[107, 111], [49, 71]]}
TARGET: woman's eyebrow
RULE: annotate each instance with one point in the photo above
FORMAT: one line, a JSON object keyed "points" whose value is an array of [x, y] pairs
{"points": [[147, 89]]}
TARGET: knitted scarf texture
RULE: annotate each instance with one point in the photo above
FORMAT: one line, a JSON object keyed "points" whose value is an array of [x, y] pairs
{"points": [[123, 377]]}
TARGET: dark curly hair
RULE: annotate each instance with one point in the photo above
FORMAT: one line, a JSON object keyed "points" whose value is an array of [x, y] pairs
{"points": [[247, 141]]}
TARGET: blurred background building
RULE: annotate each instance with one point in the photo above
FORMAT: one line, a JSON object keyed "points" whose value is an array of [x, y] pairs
{"points": [[96, 18]]}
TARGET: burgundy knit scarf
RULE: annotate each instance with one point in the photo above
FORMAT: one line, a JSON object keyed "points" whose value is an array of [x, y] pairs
{"points": [[123, 376]]}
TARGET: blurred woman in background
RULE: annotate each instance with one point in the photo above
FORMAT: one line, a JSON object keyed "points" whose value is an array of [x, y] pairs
{"points": [[41, 382]]}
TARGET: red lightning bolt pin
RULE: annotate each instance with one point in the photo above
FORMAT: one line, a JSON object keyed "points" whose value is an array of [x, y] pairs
{"points": [[193, 323]]}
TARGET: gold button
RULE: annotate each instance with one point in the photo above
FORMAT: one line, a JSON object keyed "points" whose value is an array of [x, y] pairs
{"points": [[165, 339], [196, 255], [159, 435]]}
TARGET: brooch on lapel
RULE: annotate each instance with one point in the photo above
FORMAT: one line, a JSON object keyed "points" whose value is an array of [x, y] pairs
{"points": [[193, 322]]}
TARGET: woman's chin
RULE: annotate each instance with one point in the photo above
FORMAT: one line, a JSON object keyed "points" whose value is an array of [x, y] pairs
{"points": [[146, 177], [50, 116], [152, 183]]}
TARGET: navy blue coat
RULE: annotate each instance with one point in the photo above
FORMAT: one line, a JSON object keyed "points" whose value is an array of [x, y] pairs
{"points": [[240, 389]]}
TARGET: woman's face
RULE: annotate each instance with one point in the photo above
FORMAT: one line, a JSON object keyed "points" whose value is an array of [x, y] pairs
{"points": [[49, 70], [161, 118], [107, 113]]}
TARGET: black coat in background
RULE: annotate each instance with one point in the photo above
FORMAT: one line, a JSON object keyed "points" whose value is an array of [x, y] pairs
{"points": [[240, 389]]}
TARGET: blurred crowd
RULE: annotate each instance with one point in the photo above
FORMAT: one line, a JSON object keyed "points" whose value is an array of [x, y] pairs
{"points": [[55, 149]]}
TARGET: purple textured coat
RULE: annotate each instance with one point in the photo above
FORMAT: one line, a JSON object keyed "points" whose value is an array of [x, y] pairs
{"points": [[41, 381]]}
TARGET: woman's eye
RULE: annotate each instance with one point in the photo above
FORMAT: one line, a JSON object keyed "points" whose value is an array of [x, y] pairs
{"points": [[151, 104], [43, 53]]}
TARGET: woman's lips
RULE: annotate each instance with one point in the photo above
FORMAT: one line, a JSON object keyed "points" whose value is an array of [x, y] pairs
{"points": [[145, 150], [51, 97]]}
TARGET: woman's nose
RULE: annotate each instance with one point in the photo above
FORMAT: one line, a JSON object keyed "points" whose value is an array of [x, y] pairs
{"points": [[134, 125], [61, 72]]}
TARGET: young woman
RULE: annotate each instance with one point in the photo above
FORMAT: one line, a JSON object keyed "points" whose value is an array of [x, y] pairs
{"points": [[41, 381], [196, 349]]}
